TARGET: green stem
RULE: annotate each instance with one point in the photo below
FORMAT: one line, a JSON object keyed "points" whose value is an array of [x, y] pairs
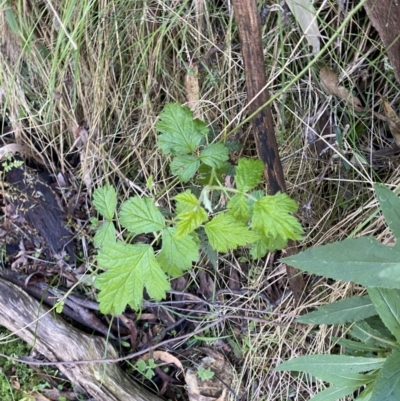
{"points": [[233, 190], [166, 188]]}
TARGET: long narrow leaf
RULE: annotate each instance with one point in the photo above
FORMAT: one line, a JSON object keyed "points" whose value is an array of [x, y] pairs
{"points": [[387, 386], [335, 369], [390, 205], [340, 312], [387, 304], [360, 260], [333, 393]]}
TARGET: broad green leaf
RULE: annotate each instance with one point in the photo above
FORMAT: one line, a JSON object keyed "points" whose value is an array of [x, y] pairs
{"points": [[141, 215], [390, 206], [356, 345], [189, 220], [177, 254], [180, 133], [105, 201], [249, 173], [387, 305], [336, 369], [356, 259], [225, 232], [104, 234], [345, 311], [272, 217], [215, 155], [239, 207], [370, 334], [334, 393], [387, 385], [185, 167], [264, 245], [130, 269]]}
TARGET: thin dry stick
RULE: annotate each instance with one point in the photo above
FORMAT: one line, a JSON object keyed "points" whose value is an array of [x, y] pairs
{"points": [[248, 21]]}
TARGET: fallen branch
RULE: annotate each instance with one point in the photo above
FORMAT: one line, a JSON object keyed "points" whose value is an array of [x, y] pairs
{"points": [[51, 336]]}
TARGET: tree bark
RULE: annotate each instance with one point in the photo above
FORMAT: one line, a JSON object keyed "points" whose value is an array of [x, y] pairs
{"points": [[248, 20], [385, 17], [50, 335]]}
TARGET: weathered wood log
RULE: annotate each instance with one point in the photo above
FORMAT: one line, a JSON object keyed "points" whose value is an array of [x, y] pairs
{"points": [[59, 341], [248, 20], [35, 201]]}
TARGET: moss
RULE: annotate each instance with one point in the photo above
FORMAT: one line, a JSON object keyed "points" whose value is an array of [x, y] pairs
{"points": [[17, 380]]}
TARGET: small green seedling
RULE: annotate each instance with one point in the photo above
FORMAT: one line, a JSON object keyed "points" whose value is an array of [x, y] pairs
{"points": [[146, 368], [205, 374]]}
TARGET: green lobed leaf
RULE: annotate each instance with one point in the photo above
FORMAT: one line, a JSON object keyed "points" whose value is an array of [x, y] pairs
{"points": [[334, 393], [180, 133], [335, 369], [215, 155], [387, 385], [239, 207], [104, 234], [141, 215], [390, 206], [105, 201], [130, 269], [345, 311], [185, 167], [189, 220], [177, 254], [264, 245], [272, 217], [225, 232], [387, 305], [249, 173], [356, 259], [186, 201]]}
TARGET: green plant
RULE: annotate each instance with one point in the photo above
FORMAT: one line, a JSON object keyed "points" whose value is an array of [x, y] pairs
{"points": [[146, 367], [205, 374], [250, 217], [9, 163], [17, 380], [372, 355]]}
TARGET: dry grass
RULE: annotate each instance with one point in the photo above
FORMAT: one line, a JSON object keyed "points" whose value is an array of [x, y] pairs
{"points": [[115, 63]]}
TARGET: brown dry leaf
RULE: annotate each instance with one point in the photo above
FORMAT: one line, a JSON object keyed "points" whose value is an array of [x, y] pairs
{"points": [[330, 84], [9, 149], [193, 89], [164, 357], [393, 120], [15, 382]]}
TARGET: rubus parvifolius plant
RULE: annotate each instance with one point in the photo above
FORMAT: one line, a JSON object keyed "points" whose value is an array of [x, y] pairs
{"points": [[264, 223], [370, 360]]}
